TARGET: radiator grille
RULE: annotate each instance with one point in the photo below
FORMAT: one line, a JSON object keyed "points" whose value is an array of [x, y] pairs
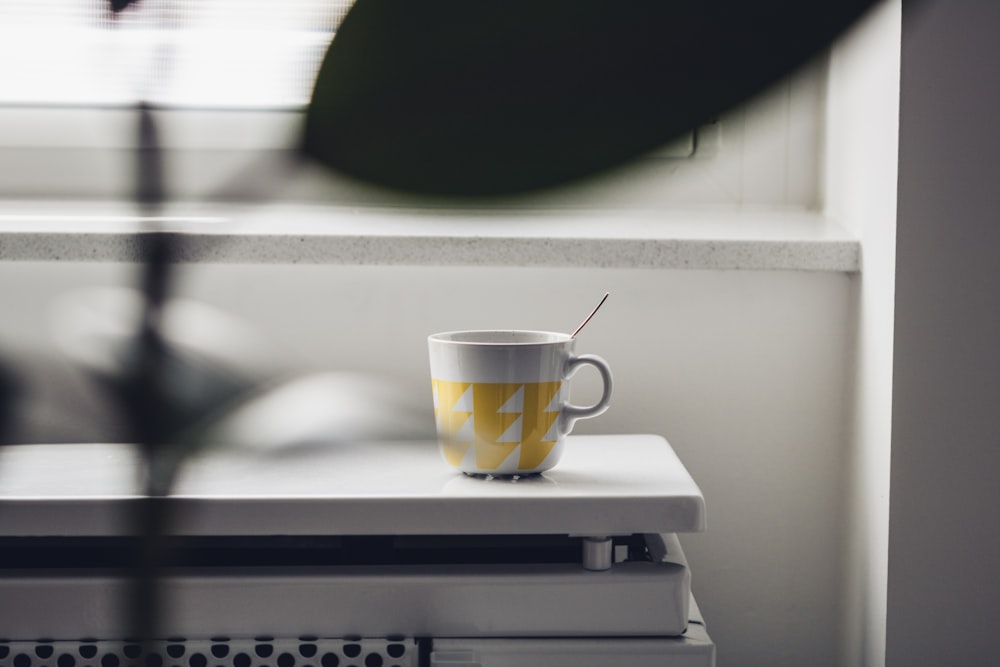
{"points": [[257, 651]]}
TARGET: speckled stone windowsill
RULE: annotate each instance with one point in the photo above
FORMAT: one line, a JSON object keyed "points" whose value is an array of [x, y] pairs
{"points": [[720, 239]]}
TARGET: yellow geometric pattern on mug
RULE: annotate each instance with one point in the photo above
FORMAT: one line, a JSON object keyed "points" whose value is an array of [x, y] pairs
{"points": [[496, 418]]}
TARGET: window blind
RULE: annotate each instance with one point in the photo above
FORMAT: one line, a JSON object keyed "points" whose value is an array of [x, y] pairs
{"points": [[183, 53]]}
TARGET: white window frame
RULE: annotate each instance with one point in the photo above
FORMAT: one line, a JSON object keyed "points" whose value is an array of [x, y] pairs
{"points": [[766, 153], [765, 156]]}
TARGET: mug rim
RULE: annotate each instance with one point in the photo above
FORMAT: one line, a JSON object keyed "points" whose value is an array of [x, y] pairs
{"points": [[541, 337]]}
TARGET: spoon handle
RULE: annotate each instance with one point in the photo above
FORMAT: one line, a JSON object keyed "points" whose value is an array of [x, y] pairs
{"points": [[592, 313]]}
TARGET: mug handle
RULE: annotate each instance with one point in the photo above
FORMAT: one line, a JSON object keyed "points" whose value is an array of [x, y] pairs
{"points": [[571, 413]]}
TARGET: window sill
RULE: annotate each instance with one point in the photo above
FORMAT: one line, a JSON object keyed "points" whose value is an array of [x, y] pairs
{"points": [[716, 239]]}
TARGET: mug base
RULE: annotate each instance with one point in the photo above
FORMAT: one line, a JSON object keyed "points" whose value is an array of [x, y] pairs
{"points": [[507, 476]]}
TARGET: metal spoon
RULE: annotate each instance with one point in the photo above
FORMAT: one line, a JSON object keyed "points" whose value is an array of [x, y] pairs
{"points": [[592, 313]]}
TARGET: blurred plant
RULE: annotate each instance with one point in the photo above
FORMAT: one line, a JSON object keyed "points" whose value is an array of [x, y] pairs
{"points": [[447, 98], [498, 97]]}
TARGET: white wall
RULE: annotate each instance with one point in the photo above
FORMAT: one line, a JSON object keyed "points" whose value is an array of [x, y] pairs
{"points": [[860, 192], [944, 546], [742, 371]]}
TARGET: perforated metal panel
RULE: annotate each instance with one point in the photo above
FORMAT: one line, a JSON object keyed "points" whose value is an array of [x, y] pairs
{"points": [[260, 651]]}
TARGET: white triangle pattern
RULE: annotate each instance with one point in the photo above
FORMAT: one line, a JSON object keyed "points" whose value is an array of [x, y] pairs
{"points": [[556, 402], [467, 432], [553, 432], [513, 432], [510, 463], [469, 460], [464, 403], [515, 403]]}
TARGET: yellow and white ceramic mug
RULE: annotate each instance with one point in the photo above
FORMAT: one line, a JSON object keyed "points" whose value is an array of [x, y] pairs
{"points": [[501, 398]]}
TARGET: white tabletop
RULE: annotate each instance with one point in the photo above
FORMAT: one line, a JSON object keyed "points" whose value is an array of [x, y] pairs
{"points": [[604, 485]]}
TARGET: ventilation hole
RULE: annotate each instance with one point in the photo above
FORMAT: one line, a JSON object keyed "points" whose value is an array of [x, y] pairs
{"points": [[328, 660], [197, 660], [66, 660], [87, 651], [4, 651], [395, 650], [241, 660], [286, 660], [373, 660], [154, 660], [44, 651], [109, 660], [220, 650], [307, 650], [23, 660], [263, 650], [352, 650], [175, 650]]}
